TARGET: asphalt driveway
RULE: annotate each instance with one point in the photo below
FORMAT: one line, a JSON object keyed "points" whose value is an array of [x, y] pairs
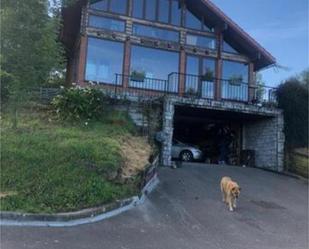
{"points": [[186, 212]]}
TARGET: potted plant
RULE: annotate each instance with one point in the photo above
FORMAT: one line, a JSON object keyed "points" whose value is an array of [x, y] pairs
{"points": [[191, 92], [236, 80], [138, 76], [208, 76]]}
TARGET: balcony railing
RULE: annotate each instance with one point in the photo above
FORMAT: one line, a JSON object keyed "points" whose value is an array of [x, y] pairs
{"points": [[195, 86], [140, 82]]}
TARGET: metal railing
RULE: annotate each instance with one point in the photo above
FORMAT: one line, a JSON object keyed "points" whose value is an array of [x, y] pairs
{"points": [[193, 86], [235, 90], [143, 83], [264, 95]]}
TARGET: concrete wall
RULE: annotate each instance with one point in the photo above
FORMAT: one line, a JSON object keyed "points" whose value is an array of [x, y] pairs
{"points": [[265, 136]]}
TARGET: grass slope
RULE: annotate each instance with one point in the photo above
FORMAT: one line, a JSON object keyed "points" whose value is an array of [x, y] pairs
{"points": [[55, 167]]}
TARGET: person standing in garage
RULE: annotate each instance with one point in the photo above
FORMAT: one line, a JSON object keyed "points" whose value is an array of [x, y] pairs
{"points": [[224, 138]]}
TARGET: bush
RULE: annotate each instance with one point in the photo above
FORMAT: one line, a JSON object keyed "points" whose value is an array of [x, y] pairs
{"points": [[79, 104], [293, 99], [6, 79]]}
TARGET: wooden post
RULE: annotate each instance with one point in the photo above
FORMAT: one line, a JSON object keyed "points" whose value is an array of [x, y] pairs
{"points": [[252, 83], [81, 67], [126, 63], [182, 72], [218, 64]]}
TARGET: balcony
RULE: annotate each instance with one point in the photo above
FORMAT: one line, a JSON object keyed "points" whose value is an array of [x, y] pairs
{"points": [[194, 86]]}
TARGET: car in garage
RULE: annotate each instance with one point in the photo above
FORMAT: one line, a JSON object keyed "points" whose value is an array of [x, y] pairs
{"points": [[186, 152]]}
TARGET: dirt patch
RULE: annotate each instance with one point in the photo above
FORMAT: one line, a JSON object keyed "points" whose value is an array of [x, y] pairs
{"points": [[136, 152], [5, 194]]}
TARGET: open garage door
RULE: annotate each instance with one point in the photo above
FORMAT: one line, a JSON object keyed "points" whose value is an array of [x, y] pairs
{"points": [[216, 134]]}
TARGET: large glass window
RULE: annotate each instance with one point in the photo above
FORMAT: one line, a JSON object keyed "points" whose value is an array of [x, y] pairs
{"points": [[150, 65], [196, 22], [201, 41], [233, 69], [235, 77], [208, 75], [192, 77], [228, 48], [106, 23], [110, 5], [157, 33], [164, 6], [200, 76], [151, 6], [138, 8], [192, 21], [104, 60], [100, 5], [118, 6], [176, 13], [169, 11]]}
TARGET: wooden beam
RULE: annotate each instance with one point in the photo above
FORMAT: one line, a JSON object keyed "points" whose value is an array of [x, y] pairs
{"points": [[82, 61], [182, 71]]}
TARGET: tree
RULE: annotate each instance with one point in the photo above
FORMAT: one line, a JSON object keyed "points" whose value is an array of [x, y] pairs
{"points": [[293, 99], [30, 50], [260, 90]]}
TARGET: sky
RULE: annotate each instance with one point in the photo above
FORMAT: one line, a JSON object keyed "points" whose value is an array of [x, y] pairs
{"points": [[280, 26]]}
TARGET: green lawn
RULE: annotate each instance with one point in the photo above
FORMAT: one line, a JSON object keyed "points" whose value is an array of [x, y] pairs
{"points": [[55, 167]]}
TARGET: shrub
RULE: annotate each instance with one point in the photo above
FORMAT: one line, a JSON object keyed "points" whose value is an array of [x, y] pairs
{"points": [[79, 104], [293, 99]]}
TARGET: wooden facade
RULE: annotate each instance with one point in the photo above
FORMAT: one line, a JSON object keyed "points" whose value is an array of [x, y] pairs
{"points": [[221, 29]]}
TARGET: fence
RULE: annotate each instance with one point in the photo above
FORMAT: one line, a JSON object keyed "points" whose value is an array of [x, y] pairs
{"points": [[44, 94]]}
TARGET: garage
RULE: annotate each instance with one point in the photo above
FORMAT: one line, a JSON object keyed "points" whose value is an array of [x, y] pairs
{"points": [[205, 125], [218, 135]]}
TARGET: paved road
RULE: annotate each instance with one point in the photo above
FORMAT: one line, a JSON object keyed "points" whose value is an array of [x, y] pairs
{"points": [[186, 212]]}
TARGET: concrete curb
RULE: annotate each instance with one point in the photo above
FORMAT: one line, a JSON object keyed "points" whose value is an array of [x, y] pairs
{"points": [[85, 216]]}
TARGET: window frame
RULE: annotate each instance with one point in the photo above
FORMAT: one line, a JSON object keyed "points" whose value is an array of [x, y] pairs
{"points": [[105, 17], [160, 49], [155, 27], [86, 59], [109, 8], [239, 62], [200, 63], [157, 14], [203, 36], [228, 52], [202, 22]]}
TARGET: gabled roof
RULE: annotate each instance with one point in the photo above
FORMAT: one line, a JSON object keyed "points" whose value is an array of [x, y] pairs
{"points": [[233, 34]]}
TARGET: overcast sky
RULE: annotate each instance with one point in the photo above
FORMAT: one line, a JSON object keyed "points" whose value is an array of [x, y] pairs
{"points": [[280, 26]]}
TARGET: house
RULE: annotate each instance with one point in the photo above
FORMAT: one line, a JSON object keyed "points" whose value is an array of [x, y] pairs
{"points": [[191, 53]]}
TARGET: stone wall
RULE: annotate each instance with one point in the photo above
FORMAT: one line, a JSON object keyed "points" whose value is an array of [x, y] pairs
{"points": [[168, 128], [265, 136], [145, 115]]}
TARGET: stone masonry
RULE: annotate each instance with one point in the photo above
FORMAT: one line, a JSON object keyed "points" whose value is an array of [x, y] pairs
{"points": [[266, 138], [168, 124], [264, 135]]}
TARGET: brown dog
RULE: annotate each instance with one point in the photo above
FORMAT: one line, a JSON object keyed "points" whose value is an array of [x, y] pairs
{"points": [[230, 192]]}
